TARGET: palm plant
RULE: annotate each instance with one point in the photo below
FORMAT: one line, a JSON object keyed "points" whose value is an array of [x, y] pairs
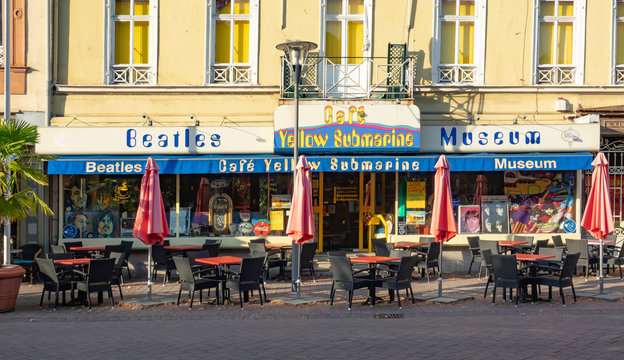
{"points": [[19, 167]]}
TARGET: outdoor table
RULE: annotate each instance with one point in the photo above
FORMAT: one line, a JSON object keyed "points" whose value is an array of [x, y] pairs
{"points": [[506, 245], [533, 258], [596, 242], [183, 248], [87, 249], [73, 262], [221, 261], [408, 245], [372, 262]]}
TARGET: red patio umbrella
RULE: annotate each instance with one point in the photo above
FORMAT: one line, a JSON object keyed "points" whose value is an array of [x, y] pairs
{"points": [[300, 226], [598, 216], [443, 225], [150, 225], [481, 189]]}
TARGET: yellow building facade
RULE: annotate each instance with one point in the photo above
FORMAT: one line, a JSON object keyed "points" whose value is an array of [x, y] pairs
{"points": [[447, 70]]}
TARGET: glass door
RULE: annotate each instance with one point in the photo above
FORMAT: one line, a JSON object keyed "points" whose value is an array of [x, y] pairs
{"points": [[341, 211]]}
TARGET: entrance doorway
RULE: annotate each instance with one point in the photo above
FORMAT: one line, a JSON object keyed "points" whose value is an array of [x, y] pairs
{"points": [[341, 210]]}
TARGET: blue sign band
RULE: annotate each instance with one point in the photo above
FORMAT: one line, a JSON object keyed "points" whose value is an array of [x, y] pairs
{"points": [[211, 164]]}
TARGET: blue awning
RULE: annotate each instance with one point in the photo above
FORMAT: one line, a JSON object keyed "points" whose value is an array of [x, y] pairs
{"points": [[241, 164]]}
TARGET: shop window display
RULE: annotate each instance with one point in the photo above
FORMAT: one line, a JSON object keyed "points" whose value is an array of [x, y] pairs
{"points": [[99, 206]]}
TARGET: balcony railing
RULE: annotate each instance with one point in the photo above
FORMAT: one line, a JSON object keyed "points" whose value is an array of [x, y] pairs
{"points": [[362, 78], [457, 74], [556, 74], [132, 75], [619, 75]]}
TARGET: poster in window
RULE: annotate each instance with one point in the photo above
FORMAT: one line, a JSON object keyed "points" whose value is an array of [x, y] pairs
{"points": [[415, 198], [494, 214], [277, 220], [415, 217], [540, 202], [469, 219], [280, 201]]}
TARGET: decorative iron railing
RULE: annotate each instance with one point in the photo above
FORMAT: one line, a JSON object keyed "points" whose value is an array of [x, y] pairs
{"points": [[366, 78], [619, 74], [556, 75], [132, 75], [231, 74], [457, 74]]}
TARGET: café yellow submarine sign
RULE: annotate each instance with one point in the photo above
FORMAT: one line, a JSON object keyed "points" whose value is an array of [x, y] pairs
{"points": [[353, 127]]}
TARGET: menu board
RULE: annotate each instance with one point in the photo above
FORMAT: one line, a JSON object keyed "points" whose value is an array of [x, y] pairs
{"points": [[346, 193], [277, 220], [415, 198]]}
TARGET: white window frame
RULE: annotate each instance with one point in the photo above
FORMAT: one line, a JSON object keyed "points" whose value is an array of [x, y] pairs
{"points": [[554, 74], [130, 74], [231, 73], [366, 18], [460, 74], [617, 70]]}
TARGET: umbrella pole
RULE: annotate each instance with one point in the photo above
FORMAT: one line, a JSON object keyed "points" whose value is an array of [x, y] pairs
{"points": [[440, 275], [601, 276], [149, 272], [298, 284]]}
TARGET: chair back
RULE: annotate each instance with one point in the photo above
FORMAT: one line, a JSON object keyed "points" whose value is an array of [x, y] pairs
{"points": [[251, 269], [578, 246], [308, 250], [569, 266], [213, 249], [101, 270], [557, 241], [380, 247], [108, 249], [61, 256], [258, 241], [183, 266], [433, 253], [57, 249], [46, 267], [29, 251], [192, 255], [341, 269], [540, 244], [473, 243], [487, 258], [556, 252], [212, 241], [400, 253], [504, 267], [340, 253], [256, 248], [528, 238], [159, 254], [489, 245], [406, 267], [119, 258], [166, 242]]}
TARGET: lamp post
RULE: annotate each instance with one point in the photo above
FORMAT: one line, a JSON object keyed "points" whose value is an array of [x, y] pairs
{"points": [[296, 53]]}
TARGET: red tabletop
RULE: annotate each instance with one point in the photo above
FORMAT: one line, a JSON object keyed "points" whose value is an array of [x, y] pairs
{"points": [[511, 243], [220, 260], [183, 247], [79, 261], [533, 257], [597, 242], [409, 244], [374, 259], [278, 246], [87, 248]]}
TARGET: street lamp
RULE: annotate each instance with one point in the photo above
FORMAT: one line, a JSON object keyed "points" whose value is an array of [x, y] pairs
{"points": [[296, 53]]}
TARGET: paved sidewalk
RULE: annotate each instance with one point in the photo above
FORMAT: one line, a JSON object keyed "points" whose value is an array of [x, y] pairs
{"points": [[473, 328]]}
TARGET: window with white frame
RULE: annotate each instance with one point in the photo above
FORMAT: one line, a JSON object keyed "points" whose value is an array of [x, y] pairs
{"points": [[560, 45], [459, 41], [618, 43], [346, 29], [132, 42], [233, 42]]}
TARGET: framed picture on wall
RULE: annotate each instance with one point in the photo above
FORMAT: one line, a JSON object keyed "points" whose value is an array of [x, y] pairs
{"points": [[469, 219], [494, 214]]}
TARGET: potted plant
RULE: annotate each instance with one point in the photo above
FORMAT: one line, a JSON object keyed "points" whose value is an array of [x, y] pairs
{"points": [[19, 167]]}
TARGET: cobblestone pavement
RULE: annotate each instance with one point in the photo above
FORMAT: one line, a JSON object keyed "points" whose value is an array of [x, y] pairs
{"points": [[468, 329]]}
